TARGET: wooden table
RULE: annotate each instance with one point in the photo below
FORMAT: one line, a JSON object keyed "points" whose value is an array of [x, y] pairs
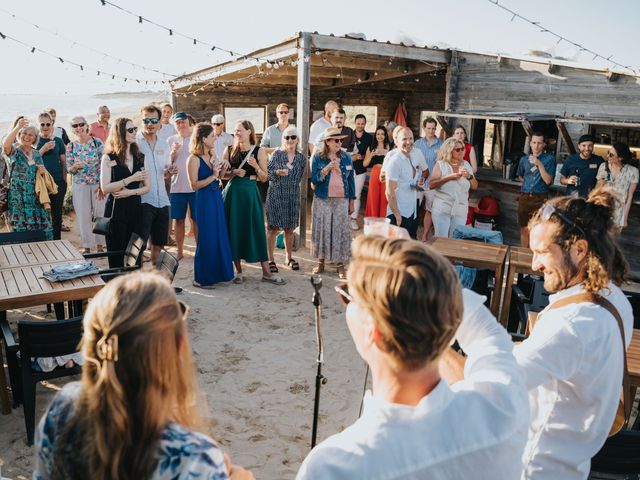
{"points": [[21, 285], [633, 359], [519, 262], [479, 255]]}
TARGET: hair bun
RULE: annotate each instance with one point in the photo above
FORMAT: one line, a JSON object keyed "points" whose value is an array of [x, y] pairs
{"points": [[604, 197]]}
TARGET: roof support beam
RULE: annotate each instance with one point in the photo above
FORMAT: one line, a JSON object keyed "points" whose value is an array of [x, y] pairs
{"points": [[303, 112]]}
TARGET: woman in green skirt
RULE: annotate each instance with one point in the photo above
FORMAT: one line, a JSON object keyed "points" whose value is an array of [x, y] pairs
{"points": [[243, 205]]}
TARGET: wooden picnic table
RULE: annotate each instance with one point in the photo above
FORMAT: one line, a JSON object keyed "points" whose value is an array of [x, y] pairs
{"points": [[22, 285], [519, 262], [479, 255]]}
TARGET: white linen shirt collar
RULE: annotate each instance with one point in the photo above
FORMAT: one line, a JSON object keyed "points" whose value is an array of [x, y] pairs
{"points": [[156, 159]]}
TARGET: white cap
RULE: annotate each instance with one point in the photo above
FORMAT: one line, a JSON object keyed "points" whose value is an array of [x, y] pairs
{"points": [[217, 119]]}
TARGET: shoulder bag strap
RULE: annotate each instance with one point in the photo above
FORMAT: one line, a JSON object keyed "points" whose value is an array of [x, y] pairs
{"points": [[607, 305]]}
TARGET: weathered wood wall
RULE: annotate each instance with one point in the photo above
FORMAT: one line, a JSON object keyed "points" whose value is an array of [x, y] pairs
{"points": [[499, 84]]}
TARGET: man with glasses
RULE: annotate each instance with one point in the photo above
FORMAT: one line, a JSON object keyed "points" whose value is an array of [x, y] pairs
{"points": [[405, 307], [100, 128], [536, 171], [155, 203], [223, 139], [579, 170], [573, 359], [272, 137]]}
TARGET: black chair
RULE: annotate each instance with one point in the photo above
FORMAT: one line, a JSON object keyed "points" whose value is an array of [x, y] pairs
{"points": [[37, 339], [620, 455], [132, 255], [22, 237], [528, 295], [167, 264]]}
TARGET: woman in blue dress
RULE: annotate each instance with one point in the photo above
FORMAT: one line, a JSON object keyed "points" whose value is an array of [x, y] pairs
{"points": [[212, 263]]}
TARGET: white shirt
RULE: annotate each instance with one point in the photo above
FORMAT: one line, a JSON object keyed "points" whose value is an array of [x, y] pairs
{"points": [[223, 141], [397, 167], [180, 181], [318, 127], [452, 197], [572, 363], [157, 160], [475, 429], [166, 131]]}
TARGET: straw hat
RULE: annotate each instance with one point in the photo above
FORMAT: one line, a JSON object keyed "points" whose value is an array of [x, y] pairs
{"points": [[332, 132]]}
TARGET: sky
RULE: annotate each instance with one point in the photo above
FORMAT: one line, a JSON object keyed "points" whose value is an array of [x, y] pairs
{"points": [[67, 27]]}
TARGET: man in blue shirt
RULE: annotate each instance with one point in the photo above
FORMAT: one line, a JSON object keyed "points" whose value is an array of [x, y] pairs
{"points": [[536, 172], [579, 170], [429, 146]]}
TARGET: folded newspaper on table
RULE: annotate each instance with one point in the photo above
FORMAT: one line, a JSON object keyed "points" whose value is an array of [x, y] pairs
{"points": [[60, 273]]}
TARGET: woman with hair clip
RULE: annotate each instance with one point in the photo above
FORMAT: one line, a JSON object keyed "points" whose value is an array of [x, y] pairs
{"points": [[460, 134], [124, 178], [212, 263], [376, 198], [243, 204], [621, 173], [137, 412]]}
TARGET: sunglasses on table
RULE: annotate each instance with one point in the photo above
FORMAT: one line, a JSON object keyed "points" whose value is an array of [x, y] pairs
{"points": [[153, 121], [343, 293], [132, 129], [45, 124], [290, 137], [78, 125], [548, 210]]}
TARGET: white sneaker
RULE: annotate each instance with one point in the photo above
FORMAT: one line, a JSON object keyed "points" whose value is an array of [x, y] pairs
{"points": [[354, 224]]}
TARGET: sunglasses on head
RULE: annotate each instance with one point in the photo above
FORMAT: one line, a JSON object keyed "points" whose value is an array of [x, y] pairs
{"points": [[45, 124], [343, 293], [132, 129], [548, 210], [291, 137], [153, 121], [283, 112], [78, 125]]}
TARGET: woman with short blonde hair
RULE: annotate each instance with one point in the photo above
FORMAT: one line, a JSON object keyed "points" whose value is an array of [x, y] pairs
{"points": [[136, 414], [452, 178]]}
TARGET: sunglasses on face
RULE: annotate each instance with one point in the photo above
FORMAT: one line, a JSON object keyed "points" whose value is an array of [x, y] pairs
{"points": [[78, 125], [45, 124], [548, 210], [217, 124], [458, 149], [132, 129], [336, 140], [611, 154], [291, 137], [284, 112], [153, 121], [343, 293]]}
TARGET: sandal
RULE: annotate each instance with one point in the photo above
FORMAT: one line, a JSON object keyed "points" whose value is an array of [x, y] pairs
{"points": [[293, 264], [273, 268], [342, 274], [205, 287], [64, 228], [238, 279], [319, 268], [275, 279]]}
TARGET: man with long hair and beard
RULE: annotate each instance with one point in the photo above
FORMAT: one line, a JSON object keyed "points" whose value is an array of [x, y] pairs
{"points": [[573, 359]]}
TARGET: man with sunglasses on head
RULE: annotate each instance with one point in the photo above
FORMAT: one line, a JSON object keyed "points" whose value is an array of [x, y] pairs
{"points": [[272, 136], [155, 203], [536, 171], [404, 308], [573, 359], [223, 139]]}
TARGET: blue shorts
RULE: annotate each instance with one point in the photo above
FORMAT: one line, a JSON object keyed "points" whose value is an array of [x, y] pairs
{"points": [[179, 202]]}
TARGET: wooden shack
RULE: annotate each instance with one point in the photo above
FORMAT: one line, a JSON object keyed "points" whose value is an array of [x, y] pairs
{"points": [[499, 99]]}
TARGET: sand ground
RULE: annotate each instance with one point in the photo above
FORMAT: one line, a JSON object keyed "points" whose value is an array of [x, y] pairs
{"points": [[255, 350]]}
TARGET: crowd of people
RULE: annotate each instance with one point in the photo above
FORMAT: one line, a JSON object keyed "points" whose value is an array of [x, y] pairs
{"points": [[539, 409]]}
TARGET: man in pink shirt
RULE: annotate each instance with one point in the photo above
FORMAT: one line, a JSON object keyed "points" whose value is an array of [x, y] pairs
{"points": [[100, 129]]}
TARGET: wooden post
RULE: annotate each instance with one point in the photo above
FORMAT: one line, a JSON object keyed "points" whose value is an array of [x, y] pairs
{"points": [[302, 122], [566, 138]]}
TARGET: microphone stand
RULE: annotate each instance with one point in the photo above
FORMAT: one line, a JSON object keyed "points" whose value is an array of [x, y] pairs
{"points": [[316, 281]]}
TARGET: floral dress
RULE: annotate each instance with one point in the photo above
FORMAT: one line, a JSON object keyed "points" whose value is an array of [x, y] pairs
{"points": [[628, 175], [25, 212], [181, 453]]}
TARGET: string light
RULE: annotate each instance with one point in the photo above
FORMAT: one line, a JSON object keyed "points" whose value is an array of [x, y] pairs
{"points": [[562, 38]]}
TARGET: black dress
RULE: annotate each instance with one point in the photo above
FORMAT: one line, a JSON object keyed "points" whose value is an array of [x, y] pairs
{"points": [[125, 212]]}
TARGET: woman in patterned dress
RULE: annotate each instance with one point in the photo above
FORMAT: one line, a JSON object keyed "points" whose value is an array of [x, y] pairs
{"points": [[621, 173], [83, 162], [283, 198], [135, 413], [25, 212]]}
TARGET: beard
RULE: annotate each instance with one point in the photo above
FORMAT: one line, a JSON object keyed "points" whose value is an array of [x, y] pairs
{"points": [[560, 277]]}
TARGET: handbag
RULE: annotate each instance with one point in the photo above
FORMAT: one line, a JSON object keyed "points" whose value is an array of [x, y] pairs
{"points": [[624, 404], [101, 224], [4, 189]]}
